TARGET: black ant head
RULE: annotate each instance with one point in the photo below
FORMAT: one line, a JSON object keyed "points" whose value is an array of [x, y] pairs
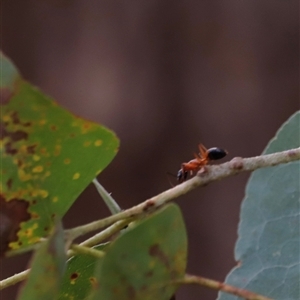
{"points": [[181, 176], [216, 153]]}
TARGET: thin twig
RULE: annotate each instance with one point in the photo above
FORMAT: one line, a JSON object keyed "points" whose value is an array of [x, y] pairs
{"points": [[103, 235], [213, 284], [14, 279], [204, 176], [79, 249], [106, 233]]}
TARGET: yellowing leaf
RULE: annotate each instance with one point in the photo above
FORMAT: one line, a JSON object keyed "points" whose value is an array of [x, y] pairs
{"points": [[45, 160]]}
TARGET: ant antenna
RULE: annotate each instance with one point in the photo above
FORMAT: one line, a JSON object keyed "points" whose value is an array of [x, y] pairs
{"points": [[168, 173]]}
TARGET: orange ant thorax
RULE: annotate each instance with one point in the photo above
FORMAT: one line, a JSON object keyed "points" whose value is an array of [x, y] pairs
{"points": [[200, 160]]}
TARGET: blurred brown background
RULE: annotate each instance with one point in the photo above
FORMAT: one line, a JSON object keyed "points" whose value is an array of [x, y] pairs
{"points": [[164, 75]]}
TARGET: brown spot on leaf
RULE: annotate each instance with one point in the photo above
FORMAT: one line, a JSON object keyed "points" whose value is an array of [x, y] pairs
{"points": [[43, 151], [34, 216], [15, 136], [156, 252], [15, 118], [53, 127], [149, 274], [74, 276], [12, 213], [27, 124], [9, 183], [9, 149], [31, 149], [94, 282], [19, 135]]}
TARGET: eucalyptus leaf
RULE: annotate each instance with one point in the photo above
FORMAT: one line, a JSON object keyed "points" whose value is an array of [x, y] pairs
{"points": [[268, 245], [142, 262], [48, 157], [79, 276], [47, 269]]}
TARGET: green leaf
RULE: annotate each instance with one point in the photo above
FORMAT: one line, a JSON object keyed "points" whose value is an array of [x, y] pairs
{"points": [[79, 276], [268, 245], [48, 155], [47, 269], [143, 261]]}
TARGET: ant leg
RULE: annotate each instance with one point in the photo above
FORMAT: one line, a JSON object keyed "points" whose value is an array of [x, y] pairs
{"points": [[202, 150], [182, 174], [185, 175]]}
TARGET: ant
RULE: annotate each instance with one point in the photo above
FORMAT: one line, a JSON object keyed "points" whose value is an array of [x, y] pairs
{"points": [[200, 160]]}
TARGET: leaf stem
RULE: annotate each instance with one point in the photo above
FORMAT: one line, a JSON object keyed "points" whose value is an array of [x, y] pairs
{"points": [[213, 284], [108, 199]]}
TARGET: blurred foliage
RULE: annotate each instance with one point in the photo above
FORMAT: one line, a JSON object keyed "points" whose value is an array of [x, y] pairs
{"points": [[47, 269], [143, 261]]}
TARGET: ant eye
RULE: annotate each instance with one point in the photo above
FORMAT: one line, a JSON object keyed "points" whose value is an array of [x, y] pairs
{"points": [[216, 153]]}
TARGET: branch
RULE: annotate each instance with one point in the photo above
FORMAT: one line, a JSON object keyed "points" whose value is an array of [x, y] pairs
{"points": [[213, 284], [106, 233], [103, 235], [79, 249], [14, 279], [206, 175]]}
